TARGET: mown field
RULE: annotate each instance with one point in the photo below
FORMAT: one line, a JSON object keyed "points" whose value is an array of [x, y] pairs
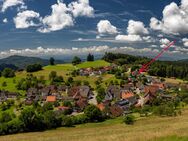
{"points": [[145, 129], [61, 69]]}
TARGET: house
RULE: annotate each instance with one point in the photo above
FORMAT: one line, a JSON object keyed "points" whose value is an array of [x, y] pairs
{"points": [[114, 92], [63, 108], [79, 92], [51, 98], [32, 94], [12, 95], [81, 104], [116, 111], [151, 92], [85, 92], [101, 106], [3, 96], [126, 94], [128, 87]]}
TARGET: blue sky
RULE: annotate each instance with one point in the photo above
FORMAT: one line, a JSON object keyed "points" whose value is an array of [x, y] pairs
{"points": [[68, 27]]}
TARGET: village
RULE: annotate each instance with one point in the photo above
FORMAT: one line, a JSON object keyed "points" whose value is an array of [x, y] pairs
{"points": [[118, 100]]}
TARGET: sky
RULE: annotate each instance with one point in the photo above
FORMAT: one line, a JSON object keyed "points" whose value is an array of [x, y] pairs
{"points": [[63, 28]]}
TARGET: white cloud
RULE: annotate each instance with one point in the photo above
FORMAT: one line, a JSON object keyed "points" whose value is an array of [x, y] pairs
{"points": [[10, 3], [148, 39], [128, 38], [81, 8], [174, 21], [185, 42], [164, 41], [41, 51], [105, 27], [59, 18], [136, 28], [5, 20], [25, 19]]}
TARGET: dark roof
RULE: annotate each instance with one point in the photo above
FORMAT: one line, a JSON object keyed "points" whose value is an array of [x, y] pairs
{"points": [[116, 110], [114, 91]]}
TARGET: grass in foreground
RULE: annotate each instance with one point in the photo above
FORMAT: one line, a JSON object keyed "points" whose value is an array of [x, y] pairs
{"points": [[145, 129]]}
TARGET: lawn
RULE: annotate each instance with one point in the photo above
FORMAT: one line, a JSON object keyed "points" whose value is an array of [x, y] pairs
{"points": [[145, 129], [94, 64]]}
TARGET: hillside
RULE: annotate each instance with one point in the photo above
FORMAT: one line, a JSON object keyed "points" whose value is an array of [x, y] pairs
{"points": [[23, 61], [145, 129], [61, 69]]}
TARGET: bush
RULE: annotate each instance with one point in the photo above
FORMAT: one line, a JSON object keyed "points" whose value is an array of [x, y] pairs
{"points": [[165, 110], [79, 119], [4, 84], [129, 119], [100, 94], [8, 73], [93, 113], [34, 68], [76, 60], [50, 120], [67, 121]]}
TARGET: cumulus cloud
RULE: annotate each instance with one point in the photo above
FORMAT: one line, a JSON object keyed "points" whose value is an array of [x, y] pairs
{"points": [[105, 27], [136, 28], [25, 19], [164, 41], [136, 32], [5, 20], [128, 38], [174, 21], [81, 8], [59, 19], [148, 39], [63, 16], [185, 42], [10, 3]]}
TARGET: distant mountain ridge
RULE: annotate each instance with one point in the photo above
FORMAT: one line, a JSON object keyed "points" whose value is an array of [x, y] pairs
{"points": [[22, 62]]}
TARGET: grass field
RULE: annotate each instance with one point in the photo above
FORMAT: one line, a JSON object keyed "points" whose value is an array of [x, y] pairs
{"points": [[61, 69], [98, 63], [145, 129]]}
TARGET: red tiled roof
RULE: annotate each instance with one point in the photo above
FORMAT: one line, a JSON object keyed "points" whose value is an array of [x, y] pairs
{"points": [[101, 106], [126, 95], [51, 98], [63, 108]]}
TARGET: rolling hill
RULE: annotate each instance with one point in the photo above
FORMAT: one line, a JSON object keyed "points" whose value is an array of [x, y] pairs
{"points": [[22, 61]]}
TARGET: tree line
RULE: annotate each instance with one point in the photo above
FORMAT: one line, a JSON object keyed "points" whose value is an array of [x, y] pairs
{"points": [[176, 69]]}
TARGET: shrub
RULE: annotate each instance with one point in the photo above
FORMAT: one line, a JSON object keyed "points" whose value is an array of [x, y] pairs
{"points": [[165, 110], [76, 60], [79, 119], [129, 119], [34, 68], [8, 73], [93, 113], [4, 84], [67, 121]]}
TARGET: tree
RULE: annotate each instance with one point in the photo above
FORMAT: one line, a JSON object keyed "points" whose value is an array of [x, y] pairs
{"points": [[50, 120], [34, 68], [52, 61], [27, 116], [76, 60], [129, 119], [93, 113], [90, 57], [52, 75], [4, 84], [8, 73], [100, 94]]}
